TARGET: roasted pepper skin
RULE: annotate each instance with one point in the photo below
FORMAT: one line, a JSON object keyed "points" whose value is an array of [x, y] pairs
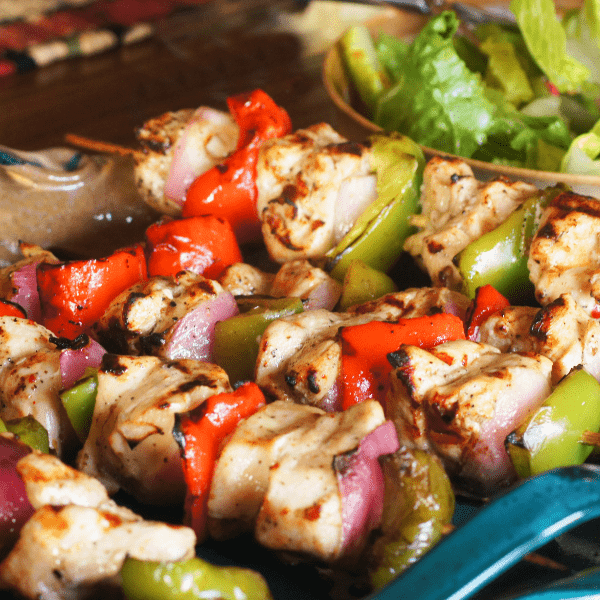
{"points": [[377, 238], [79, 402], [228, 190], [486, 302], [205, 245], [236, 342], [30, 432], [499, 257], [192, 579], [419, 504], [363, 283], [365, 350], [10, 309], [75, 294], [551, 438], [203, 430]]}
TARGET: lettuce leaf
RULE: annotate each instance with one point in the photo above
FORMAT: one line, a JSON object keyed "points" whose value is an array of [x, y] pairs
{"points": [[546, 40], [504, 71], [392, 53], [438, 100]]}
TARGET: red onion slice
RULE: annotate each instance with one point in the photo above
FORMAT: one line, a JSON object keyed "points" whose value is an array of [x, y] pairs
{"points": [[25, 282], [362, 485], [193, 336], [73, 363], [325, 295], [15, 508], [191, 157]]}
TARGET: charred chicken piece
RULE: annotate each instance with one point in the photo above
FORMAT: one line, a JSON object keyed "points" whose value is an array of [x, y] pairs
{"points": [[299, 357], [145, 318], [281, 474], [176, 148], [131, 444], [77, 538], [565, 253], [561, 331], [30, 380], [461, 400], [457, 209], [296, 278], [312, 185]]}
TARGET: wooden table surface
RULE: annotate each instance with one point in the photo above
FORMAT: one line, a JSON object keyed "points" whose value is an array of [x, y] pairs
{"points": [[200, 56]]}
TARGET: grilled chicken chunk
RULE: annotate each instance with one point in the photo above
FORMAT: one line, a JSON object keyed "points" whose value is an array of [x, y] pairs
{"points": [[78, 537], [458, 209], [312, 185], [30, 379], [131, 443], [300, 356], [177, 147], [242, 279], [297, 278], [561, 331], [461, 400], [144, 318], [415, 302], [276, 476], [565, 252]]}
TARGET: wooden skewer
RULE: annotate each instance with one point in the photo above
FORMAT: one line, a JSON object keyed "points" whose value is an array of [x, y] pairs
{"points": [[591, 438], [98, 146]]}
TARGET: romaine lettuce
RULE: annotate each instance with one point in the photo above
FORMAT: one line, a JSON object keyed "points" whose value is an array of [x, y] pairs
{"points": [[547, 42], [438, 100]]}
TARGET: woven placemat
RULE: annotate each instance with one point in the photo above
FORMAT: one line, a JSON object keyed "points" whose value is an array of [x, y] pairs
{"points": [[35, 33]]}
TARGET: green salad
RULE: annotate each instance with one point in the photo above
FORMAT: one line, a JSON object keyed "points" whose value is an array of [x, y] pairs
{"points": [[523, 96]]}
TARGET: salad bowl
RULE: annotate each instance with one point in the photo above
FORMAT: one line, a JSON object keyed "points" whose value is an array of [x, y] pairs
{"points": [[356, 126]]}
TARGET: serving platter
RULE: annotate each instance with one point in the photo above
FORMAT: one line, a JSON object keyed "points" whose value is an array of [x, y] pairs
{"points": [[356, 126]]}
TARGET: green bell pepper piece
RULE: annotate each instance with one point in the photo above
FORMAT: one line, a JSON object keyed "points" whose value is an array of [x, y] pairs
{"points": [[259, 302], [79, 402], [361, 61], [2, 427], [499, 257], [363, 283], [30, 432], [552, 436], [377, 238], [237, 339], [190, 579], [419, 504]]}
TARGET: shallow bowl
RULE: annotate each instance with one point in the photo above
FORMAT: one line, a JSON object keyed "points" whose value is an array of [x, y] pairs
{"points": [[356, 126]]}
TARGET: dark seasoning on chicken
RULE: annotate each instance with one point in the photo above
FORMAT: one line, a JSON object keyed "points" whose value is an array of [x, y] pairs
{"points": [[252, 403]]}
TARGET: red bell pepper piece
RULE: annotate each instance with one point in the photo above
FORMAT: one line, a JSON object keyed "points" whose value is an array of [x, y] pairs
{"points": [[204, 429], [228, 190], [365, 368], [75, 294], [10, 309], [204, 245], [487, 301]]}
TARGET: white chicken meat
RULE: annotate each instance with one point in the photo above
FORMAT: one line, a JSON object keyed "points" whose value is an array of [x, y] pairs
{"points": [[312, 186], [461, 399], [564, 256], [457, 209], [131, 443], [78, 538]]}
